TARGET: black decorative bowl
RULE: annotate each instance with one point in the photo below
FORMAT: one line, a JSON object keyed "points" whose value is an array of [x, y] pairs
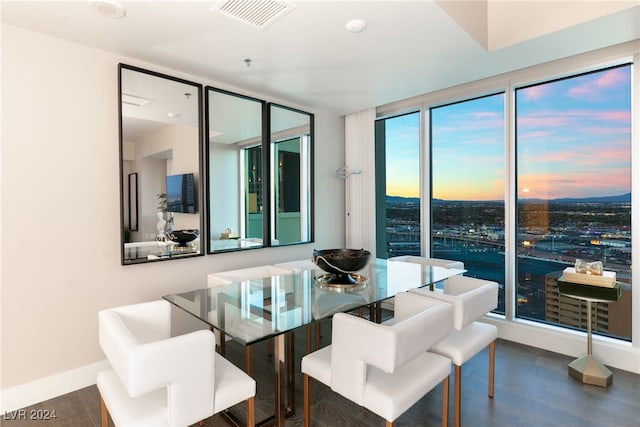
{"points": [[182, 237], [341, 263]]}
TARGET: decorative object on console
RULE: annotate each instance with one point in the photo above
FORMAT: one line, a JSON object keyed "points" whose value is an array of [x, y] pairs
{"points": [[182, 237], [342, 264], [585, 267], [589, 273], [160, 237]]}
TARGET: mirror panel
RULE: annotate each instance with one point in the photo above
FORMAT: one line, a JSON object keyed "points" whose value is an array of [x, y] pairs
{"points": [[236, 182], [291, 158], [160, 158]]}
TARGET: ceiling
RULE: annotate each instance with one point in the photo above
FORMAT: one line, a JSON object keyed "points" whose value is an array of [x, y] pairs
{"points": [[307, 57]]}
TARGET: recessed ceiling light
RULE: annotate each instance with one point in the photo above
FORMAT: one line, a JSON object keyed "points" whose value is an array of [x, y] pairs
{"points": [[108, 8], [173, 115], [356, 25]]}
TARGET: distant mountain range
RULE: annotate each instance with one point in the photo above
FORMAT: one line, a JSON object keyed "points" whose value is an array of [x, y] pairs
{"points": [[621, 198]]}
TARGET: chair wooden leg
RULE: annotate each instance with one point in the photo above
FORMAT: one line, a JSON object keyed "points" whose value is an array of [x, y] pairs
{"points": [[456, 395], [445, 402], [308, 343], [306, 415], [492, 365], [104, 414], [251, 418]]}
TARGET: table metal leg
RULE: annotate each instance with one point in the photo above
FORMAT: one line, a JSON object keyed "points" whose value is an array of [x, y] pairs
{"points": [[279, 361], [283, 357]]}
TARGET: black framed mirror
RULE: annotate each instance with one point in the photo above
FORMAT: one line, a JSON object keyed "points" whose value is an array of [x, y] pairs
{"points": [[291, 179], [259, 163], [236, 181], [160, 166]]}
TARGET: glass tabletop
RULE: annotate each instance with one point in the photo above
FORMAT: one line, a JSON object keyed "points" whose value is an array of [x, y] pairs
{"points": [[253, 310]]}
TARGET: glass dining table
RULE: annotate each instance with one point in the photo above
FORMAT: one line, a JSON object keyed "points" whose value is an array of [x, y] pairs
{"points": [[256, 310]]}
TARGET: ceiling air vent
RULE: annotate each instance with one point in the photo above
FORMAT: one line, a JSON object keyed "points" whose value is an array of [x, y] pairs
{"points": [[134, 100], [259, 13]]}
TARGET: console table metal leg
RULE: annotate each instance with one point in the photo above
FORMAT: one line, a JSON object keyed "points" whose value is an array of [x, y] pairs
{"points": [[586, 368]]}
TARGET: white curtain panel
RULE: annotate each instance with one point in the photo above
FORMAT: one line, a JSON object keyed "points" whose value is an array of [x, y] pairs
{"points": [[360, 219]]}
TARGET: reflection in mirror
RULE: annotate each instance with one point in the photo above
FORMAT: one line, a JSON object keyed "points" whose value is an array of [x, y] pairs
{"points": [[291, 152], [160, 149], [234, 162]]}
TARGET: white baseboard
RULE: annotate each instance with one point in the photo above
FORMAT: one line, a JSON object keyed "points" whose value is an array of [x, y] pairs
{"points": [[23, 395], [611, 352]]}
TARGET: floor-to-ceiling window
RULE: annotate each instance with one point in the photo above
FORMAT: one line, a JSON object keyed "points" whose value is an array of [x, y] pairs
{"points": [[519, 185], [467, 186], [398, 182], [573, 145]]}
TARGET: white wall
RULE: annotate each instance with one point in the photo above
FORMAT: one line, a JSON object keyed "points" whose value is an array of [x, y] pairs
{"points": [[225, 173], [60, 214]]}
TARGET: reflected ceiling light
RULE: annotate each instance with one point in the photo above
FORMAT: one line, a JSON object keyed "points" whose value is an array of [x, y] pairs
{"points": [[108, 8], [355, 25]]}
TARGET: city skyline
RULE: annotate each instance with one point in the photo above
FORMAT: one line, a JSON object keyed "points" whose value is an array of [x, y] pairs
{"points": [[574, 140]]}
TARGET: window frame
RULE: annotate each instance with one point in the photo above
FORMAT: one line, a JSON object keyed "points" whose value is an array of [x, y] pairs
{"points": [[558, 339]]}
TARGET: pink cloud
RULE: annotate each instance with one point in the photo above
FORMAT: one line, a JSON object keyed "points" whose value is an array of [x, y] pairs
{"points": [[577, 184], [540, 120], [487, 115], [592, 88], [583, 157], [536, 134], [572, 117], [535, 92], [603, 130], [616, 116], [612, 78]]}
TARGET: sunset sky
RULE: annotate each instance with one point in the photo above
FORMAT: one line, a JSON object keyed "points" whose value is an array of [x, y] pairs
{"points": [[574, 140]]}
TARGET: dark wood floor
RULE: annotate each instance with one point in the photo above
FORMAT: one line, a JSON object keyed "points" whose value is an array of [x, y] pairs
{"points": [[532, 388]]}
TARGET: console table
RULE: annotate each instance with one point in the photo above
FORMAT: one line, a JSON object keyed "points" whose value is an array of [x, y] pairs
{"points": [[586, 368]]}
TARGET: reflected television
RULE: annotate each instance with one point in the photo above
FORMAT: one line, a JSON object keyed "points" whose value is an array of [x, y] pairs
{"points": [[181, 193]]}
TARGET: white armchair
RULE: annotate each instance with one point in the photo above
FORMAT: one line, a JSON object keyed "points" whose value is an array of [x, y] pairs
{"points": [[223, 278], [436, 262], [298, 265], [471, 299], [159, 380], [384, 368]]}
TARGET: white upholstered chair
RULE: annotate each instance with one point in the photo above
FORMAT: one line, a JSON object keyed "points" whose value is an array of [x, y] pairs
{"points": [[437, 262], [223, 278], [159, 380], [298, 265], [384, 368], [471, 299]]}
